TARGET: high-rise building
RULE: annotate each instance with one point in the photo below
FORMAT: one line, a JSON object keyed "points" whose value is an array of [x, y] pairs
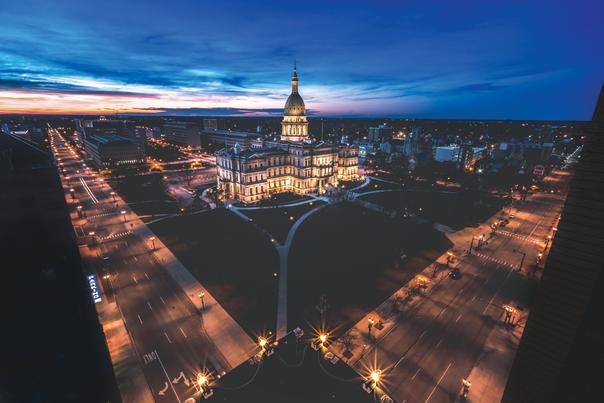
{"points": [[379, 134], [561, 354], [210, 124], [411, 145]]}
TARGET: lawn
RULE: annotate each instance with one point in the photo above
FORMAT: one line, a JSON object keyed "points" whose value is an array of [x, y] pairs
{"points": [[278, 221], [454, 209], [379, 185], [145, 194], [352, 256], [232, 259], [295, 373]]}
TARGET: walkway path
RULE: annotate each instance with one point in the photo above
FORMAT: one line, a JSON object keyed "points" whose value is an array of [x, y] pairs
{"points": [[283, 251]]}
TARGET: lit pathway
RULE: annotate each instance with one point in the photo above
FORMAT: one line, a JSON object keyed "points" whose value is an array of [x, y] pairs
{"points": [[283, 251]]}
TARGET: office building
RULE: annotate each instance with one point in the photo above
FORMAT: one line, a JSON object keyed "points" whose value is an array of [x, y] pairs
{"points": [[380, 133], [183, 134], [111, 151]]}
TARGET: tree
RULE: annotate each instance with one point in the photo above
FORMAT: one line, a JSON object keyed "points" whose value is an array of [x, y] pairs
{"points": [[216, 195]]}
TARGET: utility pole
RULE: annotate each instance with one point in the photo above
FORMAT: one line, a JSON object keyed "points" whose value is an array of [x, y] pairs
{"points": [[322, 307]]}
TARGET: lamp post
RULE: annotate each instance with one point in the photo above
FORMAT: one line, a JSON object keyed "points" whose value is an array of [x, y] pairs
{"points": [[203, 305], [152, 239], [72, 193], [113, 196], [370, 323], [80, 212], [547, 241], [522, 260], [123, 213]]}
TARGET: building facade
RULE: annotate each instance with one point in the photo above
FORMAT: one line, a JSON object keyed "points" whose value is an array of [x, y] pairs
{"points": [[112, 151], [183, 134], [294, 164]]}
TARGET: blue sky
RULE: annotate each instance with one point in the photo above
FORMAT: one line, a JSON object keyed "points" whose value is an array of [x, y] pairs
{"points": [[491, 59]]}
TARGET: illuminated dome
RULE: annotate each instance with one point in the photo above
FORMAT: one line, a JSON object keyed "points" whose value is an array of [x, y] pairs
{"points": [[294, 126], [294, 106]]}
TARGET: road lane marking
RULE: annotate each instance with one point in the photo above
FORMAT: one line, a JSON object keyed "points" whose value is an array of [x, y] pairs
{"points": [[183, 332], [473, 298], [148, 278], [166, 334], [134, 278], [167, 377], [139, 319], [149, 305], [489, 303], [439, 381], [438, 344], [162, 300], [416, 372], [458, 318], [135, 259]]}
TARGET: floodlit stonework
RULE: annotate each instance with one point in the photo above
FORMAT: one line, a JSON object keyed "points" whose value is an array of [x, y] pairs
{"points": [[295, 163]]}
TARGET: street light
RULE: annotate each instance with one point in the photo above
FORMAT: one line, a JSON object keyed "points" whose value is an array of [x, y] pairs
{"points": [[203, 305], [72, 192], [112, 195], [370, 323], [123, 213], [323, 338], [79, 210], [547, 241], [152, 239]]}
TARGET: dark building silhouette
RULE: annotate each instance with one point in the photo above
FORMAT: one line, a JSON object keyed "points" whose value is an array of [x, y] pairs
{"points": [[561, 354], [52, 348]]}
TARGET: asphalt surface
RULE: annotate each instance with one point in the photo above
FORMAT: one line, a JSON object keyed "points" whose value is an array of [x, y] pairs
{"points": [[425, 357], [167, 330]]}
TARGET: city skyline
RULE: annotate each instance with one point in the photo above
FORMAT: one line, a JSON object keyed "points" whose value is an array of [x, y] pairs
{"points": [[411, 60]]}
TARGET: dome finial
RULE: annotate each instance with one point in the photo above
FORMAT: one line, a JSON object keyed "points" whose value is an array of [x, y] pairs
{"points": [[295, 79]]}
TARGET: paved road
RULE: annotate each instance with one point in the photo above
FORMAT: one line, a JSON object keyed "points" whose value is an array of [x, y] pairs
{"points": [[425, 356], [166, 328]]}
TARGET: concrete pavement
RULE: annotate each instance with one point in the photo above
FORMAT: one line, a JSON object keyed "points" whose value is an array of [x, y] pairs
{"points": [[171, 337], [427, 349]]}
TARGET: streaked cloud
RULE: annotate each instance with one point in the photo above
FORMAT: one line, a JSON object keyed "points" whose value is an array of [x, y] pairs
{"points": [[390, 58]]}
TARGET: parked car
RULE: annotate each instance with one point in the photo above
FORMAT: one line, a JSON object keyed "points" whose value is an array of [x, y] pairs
{"points": [[455, 274]]}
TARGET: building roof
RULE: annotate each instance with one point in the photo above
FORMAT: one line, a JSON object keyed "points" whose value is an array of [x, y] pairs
{"points": [[229, 133], [108, 138]]}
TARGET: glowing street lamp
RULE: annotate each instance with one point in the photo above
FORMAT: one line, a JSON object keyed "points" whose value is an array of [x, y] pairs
{"points": [[152, 239], [323, 338], [370, 323], [372, 381], [123, 213], [80, 212], [72, 192], [112, 195], [201, 295], [262, 342]]}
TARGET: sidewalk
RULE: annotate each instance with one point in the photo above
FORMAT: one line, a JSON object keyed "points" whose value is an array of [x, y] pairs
{"points": [[126, 365], [226, 334], [229, 338], [490, 373], [407, 297]]}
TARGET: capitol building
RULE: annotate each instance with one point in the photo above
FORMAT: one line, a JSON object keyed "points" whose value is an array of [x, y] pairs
{"points": [[295, 163]]}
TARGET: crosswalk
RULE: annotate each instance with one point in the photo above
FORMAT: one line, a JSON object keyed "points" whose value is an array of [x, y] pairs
{"points": [[116, 235], [108, 213], [525, 238], [495, 260]]}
